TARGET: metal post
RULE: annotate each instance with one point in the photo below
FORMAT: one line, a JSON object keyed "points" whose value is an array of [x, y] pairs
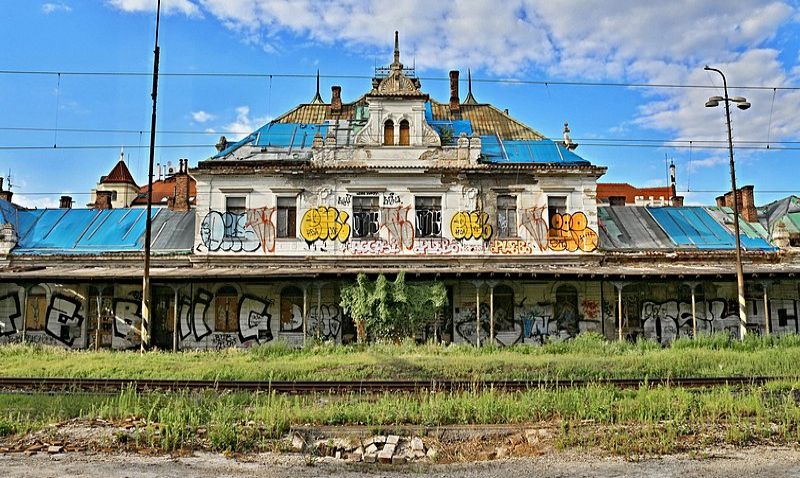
{"points": [[148, 220], [175, 311], [766, 309], [305, 314], [694, 313], [619, 310], [319, 310], [491, 314], [477, 314], [24, 313], [739, 268], [99, 320]]}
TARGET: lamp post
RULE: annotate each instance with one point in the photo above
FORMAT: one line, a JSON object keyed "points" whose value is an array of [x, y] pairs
{"points": [[742, 104]]}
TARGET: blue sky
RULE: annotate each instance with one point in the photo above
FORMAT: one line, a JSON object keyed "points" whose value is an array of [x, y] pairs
{"points": [[755, 42]]}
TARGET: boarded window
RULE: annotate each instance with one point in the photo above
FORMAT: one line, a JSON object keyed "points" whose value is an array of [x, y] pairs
{"points": [[566, 309], [404, 133], [226, 306], [291, 309], [388, 133], [287, 217], [35, 309], [507, 216], [365, 217], [429, 216]]}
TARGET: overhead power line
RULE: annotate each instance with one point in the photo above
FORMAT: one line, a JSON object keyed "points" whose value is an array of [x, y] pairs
{"points": [[519, 81]]}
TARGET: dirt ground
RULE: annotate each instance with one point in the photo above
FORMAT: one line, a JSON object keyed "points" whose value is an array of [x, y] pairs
{"points": [[727, 463]]}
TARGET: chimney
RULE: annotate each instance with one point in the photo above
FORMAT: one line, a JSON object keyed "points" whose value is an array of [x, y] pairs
{"points": [[6, 195], [455, 107], [65, 202], [747, 204], [720, 201], [336, 100], [677, 201], [103, 200], [181, 198]]}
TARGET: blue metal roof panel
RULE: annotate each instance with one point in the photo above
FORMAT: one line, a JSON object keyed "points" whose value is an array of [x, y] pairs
{"points": [[695, 227], [288, 135], [527, 151]]}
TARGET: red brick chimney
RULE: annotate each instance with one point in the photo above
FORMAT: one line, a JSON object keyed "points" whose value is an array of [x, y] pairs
{"points": [[677, 201], [65, 202], [336, 100], [103, 200], [181, 201], [745, 201], [455, 106]]}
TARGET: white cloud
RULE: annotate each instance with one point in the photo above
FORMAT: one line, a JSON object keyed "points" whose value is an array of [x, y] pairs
{"points": [[202, 116], [48, 8], [243, 124], [32, 202], [187, 7], [707, 162]]}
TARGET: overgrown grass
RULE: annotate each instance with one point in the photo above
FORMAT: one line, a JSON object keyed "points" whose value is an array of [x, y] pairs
{"points": [[587, 356], [643, 421]]}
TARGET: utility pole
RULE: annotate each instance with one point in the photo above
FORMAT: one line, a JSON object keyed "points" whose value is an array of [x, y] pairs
{"points": [[145, 342]]}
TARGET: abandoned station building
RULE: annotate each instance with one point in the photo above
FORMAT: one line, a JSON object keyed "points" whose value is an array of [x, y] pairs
{"points": [[456, 191]]}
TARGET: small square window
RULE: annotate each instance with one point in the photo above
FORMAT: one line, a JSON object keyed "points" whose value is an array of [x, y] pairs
{"points": [[428, 211]]}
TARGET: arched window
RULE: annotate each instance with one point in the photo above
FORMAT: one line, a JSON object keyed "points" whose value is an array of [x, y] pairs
{"points": [[291, 309], [503, 308], [226, 307], [566, 309], [404, 133], [388, 133]]}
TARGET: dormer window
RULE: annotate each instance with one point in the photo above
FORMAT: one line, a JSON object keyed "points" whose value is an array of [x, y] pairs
{"points": [[404, 133], [388, 133]]}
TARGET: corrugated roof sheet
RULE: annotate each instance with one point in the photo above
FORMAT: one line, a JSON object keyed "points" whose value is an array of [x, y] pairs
{"points": [[630, 228], [527, 151], [88, 231], [695, 227], [485, 120]]}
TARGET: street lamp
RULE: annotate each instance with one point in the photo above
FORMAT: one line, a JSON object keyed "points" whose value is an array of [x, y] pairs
{"points": [[742, 104]]}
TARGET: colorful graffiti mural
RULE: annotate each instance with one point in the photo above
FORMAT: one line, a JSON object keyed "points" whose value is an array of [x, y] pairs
{"points": [[570, 232], [325, 223], [227, 232], [260, 220], [466, 225]]}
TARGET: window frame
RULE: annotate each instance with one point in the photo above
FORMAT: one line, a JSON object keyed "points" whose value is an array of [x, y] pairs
{"points": [[553, 209], [224, 295], [511, 231], [288, 214], [388, 126], [436, 208], [372, 209]]}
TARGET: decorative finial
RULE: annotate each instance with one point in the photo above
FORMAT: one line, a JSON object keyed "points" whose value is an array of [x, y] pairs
{"points": [[567, 140], [469, 100], [317, 97], [122, 153], [396, 47]]}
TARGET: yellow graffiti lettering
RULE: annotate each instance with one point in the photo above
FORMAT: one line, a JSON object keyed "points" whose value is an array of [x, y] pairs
{"points": [[471, 225], [323, 223], [571, 232]]}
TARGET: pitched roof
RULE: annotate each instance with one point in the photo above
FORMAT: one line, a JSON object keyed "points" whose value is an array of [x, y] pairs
{"points": [[630, 192], [119, 174], [163, 190]]}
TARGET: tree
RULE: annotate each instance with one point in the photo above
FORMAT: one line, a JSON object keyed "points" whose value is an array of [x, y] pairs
{"points": [[392, 310]]}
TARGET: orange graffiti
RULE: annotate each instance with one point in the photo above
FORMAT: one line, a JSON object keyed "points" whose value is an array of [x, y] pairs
{"points": [[510, 246], [260, 219], [534, 223], [570, 232]]}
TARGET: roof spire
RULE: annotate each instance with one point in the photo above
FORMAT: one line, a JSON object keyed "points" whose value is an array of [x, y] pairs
{"points": [[396, 63], [317, 100], [469, 100], [122, 153]]}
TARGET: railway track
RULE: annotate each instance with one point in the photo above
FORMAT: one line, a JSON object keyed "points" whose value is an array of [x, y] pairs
{"points": [[48, 384]]}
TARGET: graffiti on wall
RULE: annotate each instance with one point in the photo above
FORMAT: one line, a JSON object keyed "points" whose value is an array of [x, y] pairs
{"points": [[63, 321], [399, 228], [571, 232], [325, 223], [192, 322], [510, 247], [324, 321], [254, 319], [261, 222], [534, 224], [507, 332], [228, 232], [10, 311], [666, 321], [466, 225], [127, 320]]}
